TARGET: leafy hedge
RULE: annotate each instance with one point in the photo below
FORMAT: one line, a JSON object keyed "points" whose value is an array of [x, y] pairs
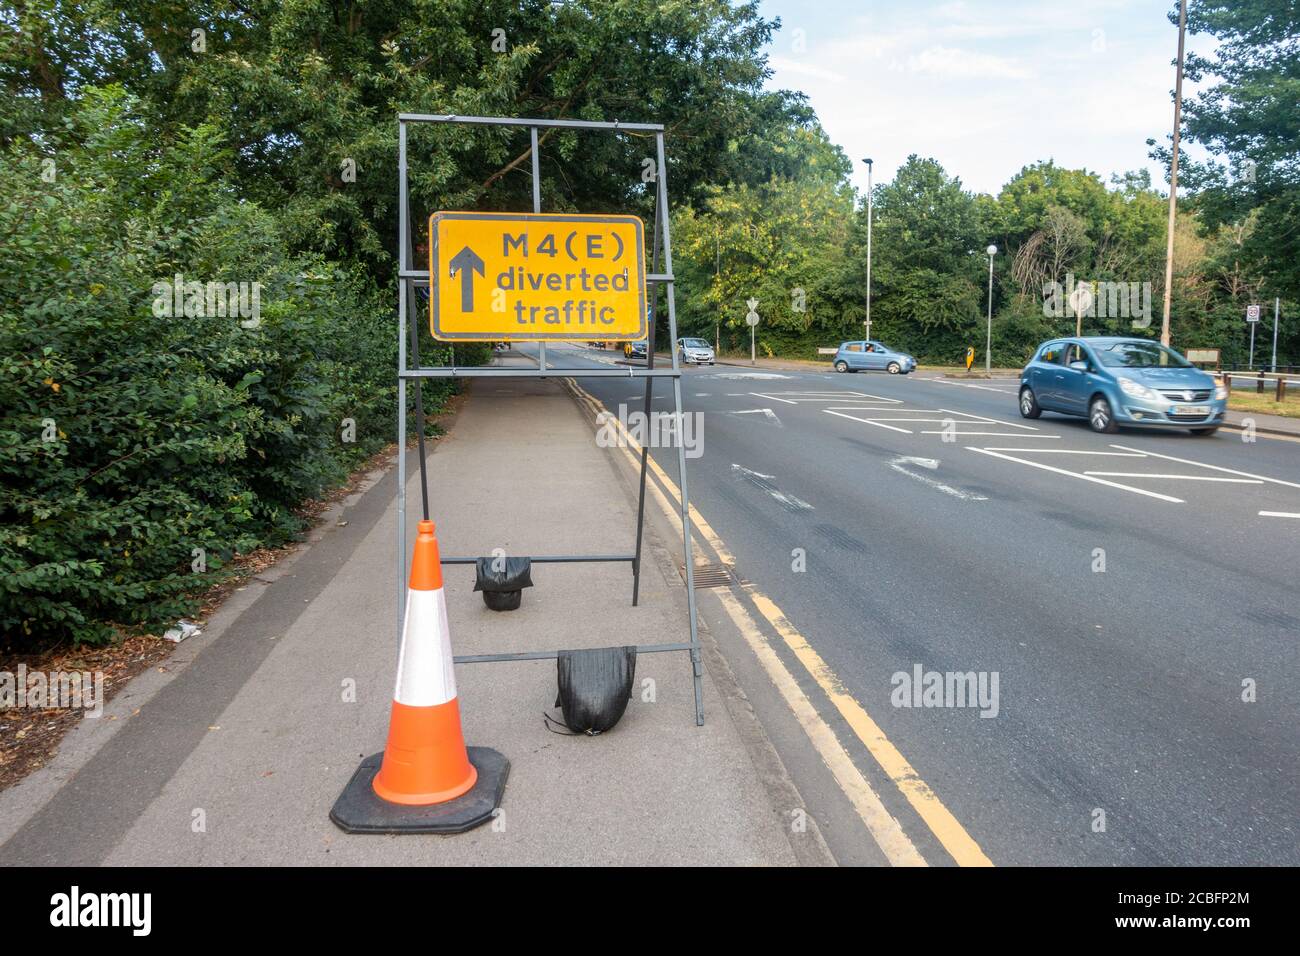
{"points": [[130, 438]]}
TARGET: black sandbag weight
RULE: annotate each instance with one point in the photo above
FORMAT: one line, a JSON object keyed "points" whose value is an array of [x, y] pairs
{"points": [[502, 581], [595, 685]]}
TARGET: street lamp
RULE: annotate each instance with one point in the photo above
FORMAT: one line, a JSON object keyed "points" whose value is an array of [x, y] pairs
{"points": [[1173, 175], [868, 162], [992, 250]]}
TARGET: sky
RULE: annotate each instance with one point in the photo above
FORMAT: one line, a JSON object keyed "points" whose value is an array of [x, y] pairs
{"points": [[985, 87]]}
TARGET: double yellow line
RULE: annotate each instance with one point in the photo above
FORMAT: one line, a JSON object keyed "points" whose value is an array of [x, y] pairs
{"points": [[886, 830]]}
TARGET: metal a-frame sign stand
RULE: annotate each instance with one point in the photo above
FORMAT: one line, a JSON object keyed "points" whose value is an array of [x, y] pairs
{"points": [[410, 279]]}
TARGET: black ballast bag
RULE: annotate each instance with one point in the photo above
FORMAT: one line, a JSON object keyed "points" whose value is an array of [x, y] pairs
{"points": [[595, 686], [503, 589]]}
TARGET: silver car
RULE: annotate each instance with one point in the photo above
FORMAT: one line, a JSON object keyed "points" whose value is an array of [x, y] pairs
{"points": [[695, 351]]}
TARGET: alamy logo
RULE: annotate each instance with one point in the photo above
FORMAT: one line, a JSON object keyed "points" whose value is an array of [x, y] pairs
{"points": [[922, 688], [57, 690], [103, 909], [1098, 300], [657, 430], [175, 297]]}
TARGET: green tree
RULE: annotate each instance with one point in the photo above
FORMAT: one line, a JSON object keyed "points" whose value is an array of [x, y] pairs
{"points": [[131, 434], [299, 90], [781, 242], [1249, 117], [928, 248]]}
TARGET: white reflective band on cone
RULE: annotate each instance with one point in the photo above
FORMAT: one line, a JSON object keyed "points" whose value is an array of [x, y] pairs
{"points": [[425, 675]]}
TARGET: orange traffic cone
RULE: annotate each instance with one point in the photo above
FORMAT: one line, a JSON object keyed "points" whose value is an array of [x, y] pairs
{"points": [[425, 760], [427, 781]]}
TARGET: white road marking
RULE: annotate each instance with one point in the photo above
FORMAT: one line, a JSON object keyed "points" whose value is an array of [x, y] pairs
{"points": [[766, 412], [987, 388], [992, 434], [1072, 451], [701, 394], [1279, 514], [740, 376], [866, 421], [1198, 464], [1075, 474], [760, 480], [797, 398], [1142, 474], [995, 421], [899, 465]]}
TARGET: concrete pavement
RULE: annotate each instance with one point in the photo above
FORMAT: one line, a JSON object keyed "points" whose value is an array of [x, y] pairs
{"points": [[236, 754]]}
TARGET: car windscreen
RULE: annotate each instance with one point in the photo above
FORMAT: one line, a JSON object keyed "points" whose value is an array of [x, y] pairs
{"points": [[1139, 355], [695, 343]]}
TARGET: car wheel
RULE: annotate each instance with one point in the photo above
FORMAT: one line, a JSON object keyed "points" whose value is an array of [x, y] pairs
{"points": [[1029, 404], [841, 366], [893, 368], [1205, 431], [1100, 417]]}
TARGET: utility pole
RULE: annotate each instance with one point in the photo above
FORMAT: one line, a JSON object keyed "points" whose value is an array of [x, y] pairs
{"points": [[1173, 173], [868, 322], [1277, 306], [992, 250], [717, 279]]}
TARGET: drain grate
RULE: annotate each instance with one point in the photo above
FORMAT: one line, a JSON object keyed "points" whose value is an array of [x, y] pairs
{"points": [[708, 575]]}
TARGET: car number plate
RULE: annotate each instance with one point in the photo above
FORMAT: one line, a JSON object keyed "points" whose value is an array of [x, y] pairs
{"points": [[1190, 410]]}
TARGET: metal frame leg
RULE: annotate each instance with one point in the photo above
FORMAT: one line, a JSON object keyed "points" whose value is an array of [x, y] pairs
{"points": [[697, 664], [402, 234], [649, 396]]}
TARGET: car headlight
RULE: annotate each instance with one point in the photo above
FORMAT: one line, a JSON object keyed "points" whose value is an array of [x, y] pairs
{"points": [[1137, 390], [1220, 392]]}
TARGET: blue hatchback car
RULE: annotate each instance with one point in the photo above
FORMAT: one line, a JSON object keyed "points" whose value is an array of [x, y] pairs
{"points": [[1121, 381], [855, 356]]}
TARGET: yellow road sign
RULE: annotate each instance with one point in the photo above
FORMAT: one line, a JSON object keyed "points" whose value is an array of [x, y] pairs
{"points": [[520, 277]]}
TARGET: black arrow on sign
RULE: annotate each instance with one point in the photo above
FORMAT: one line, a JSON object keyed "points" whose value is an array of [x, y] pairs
{"points": [[466, 262]]}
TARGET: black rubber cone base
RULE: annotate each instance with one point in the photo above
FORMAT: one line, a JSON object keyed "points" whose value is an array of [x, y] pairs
{"points": [[360, 810]]}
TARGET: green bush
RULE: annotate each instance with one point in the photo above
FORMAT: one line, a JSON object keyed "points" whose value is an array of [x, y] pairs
{"points": [[131, 437]]}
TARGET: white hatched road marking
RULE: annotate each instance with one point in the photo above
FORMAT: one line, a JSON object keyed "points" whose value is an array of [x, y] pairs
{"points": [[1279, 514], [1070, 451], [800, 398], [1126, 451], [991, 434], [866, 421], [996, 421], [1079, 475], [1198, 464], [953, 421], [988, 388], [1143, 474]]}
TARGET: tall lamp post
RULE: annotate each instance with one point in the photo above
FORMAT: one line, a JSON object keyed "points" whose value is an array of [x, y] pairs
{"points": [[868, 323], [1173, 175], [988, 339]]}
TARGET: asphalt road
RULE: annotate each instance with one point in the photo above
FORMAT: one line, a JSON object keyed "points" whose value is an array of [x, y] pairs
{"points": [[942, 531]]}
